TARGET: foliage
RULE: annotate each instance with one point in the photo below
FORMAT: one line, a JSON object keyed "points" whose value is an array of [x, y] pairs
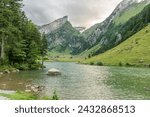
{"points": [[20, 40], [55, 96], [99, 63]]}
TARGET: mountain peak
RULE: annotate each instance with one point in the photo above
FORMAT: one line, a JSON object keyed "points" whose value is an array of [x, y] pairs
{"points": [[47, 28]]}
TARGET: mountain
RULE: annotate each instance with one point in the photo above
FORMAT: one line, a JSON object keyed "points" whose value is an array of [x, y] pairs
{"points": [[106, 35], [48, 28], [63, 37], [80, 29], [135, 49]]}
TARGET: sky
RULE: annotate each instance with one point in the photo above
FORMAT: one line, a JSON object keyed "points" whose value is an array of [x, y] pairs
{"points": [[80, 12]]}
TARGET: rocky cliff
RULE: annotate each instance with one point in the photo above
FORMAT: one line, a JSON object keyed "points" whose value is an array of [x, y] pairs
{"points": [[63, 37], [53, 25]]}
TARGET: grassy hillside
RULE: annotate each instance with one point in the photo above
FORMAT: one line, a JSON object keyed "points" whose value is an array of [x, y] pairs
{"points": [[90, 52], [129, 13], [130, 21], [133, 51]]}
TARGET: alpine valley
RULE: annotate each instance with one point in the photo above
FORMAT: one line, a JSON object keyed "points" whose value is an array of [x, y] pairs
{"points": [[41, 62], [127, 19]]}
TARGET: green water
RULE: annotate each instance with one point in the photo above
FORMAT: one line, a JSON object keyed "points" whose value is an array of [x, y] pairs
{"points": [[84, 81]]}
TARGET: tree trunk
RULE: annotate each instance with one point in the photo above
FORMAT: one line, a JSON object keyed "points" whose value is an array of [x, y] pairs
{"points": [[2, 48], [42, 62]]}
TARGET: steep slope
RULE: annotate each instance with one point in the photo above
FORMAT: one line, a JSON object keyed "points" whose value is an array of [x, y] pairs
{"points": [[133, 51], [63, 37], [129, 13], [107, 34]]}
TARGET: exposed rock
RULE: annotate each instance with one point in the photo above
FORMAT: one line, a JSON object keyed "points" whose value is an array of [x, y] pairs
{"points": [[3, 98], [28, 86], [53, 72], [28, 91], [17, 70], [7, 71], [54, 25], [80, 29], [7, 91], [20, 83], [14, 71], [62, 36], [1, 73], [34, 88]]}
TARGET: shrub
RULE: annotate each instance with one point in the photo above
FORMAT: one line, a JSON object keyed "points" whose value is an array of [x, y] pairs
{"points": [[21, 66], [89, 56], [128, 64], [35, 66], [55, 96], [120, 64], [99, 64], [91, 63]]}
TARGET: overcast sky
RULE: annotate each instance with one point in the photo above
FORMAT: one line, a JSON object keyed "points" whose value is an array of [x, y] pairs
{"points": [[80, 12]]}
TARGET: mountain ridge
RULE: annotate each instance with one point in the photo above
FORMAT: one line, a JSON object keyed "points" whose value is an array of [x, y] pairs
{"points": [[47, 28], [107, 34]]}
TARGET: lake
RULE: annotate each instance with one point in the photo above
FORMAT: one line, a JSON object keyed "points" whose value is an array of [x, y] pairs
{"points": [[84, 81]]}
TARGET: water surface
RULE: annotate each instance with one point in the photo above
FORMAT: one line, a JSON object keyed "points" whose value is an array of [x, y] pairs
{"points": [[84, 81]]}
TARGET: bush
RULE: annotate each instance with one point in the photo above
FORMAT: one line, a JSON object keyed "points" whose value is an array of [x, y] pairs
{"points": [[120, 64], [21, 66], [35, 66], [99, 64], [128, 64], [55, 97], [89, 56], [91, 63]]}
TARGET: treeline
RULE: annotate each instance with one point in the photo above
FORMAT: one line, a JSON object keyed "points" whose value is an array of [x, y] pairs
{"points": [[21, 44]]}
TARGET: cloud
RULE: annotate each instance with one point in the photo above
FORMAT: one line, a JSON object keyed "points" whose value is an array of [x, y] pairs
{"points": [[80, 12]]}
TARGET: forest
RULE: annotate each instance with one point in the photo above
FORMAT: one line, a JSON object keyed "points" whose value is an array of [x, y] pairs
{"points": [[21, 44]]}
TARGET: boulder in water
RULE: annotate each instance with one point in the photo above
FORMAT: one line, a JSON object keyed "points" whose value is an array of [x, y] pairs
{"points": [[53, 72]]}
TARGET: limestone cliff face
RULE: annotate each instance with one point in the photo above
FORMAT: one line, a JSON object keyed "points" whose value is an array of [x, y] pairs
{"points": [[63, 37], [54, 25]]}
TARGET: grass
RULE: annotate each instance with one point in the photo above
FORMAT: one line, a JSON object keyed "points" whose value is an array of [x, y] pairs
{"points": [[29, 96], [134, 51], [90, 51], [63, 57], [129, 13]]}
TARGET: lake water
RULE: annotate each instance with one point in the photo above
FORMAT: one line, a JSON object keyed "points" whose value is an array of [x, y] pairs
{"points": [[84, 81]]}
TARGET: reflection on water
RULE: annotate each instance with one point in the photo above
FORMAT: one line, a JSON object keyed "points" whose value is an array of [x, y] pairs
{"points": [[85, 81]]}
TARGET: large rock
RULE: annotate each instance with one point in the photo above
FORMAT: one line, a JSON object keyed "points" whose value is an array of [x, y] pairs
{"points": [[53, 72]]}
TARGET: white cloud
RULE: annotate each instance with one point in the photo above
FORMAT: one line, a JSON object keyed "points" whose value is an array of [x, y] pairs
{"points": [[80, 12]]}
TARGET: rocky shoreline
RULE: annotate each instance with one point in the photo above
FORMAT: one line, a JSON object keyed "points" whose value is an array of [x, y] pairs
{"points": [[7, 71]]}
